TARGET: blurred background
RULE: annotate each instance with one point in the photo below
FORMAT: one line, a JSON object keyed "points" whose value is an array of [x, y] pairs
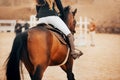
{"points": [[105, 13], [100, 45]]}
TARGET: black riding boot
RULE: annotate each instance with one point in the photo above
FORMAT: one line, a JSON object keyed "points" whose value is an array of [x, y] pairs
{"points": [[73, 52]]}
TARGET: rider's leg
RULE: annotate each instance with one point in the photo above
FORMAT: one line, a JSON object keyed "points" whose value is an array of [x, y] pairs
{"points": [[73, 53], [58, 23]]}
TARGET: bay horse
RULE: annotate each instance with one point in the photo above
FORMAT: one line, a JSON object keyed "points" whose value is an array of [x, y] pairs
{"points": [[39, 48]]}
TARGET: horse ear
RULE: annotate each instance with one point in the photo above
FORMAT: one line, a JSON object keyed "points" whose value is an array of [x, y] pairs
{"points": [[75, 11]]}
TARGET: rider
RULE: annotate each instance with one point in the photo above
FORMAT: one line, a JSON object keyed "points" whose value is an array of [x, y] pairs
{"points": [[47, 14]]}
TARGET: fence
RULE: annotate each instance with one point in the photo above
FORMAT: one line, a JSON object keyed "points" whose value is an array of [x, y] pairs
{"points": [[82, 38], [83, 30], [33, 21], [7, 25]]}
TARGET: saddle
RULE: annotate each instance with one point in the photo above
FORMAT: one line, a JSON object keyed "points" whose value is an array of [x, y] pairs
{"points": [[58, 33]]}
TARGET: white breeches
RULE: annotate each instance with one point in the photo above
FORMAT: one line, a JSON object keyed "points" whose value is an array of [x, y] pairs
{"points": [[57, 22]]}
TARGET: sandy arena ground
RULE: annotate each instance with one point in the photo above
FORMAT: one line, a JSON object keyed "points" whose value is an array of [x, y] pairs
{"points": [[101, 62]]}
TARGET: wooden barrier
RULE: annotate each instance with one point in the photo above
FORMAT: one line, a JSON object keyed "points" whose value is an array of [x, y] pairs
{"points": [[83, 31], [7, 25]]}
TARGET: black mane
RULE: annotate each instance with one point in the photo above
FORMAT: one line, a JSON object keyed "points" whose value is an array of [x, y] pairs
{"points": [[66, 11]]}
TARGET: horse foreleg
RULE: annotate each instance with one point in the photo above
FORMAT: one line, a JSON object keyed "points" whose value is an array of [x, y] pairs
{"points": [[68, 69]]}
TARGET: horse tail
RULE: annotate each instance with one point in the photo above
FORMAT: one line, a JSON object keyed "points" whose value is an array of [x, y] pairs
{"points": [[12, 67]]}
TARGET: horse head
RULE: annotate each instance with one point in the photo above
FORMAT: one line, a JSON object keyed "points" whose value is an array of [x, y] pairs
{"points": [[69, 18]]}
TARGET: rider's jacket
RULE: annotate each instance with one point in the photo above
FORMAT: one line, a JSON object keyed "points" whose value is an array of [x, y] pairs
{"points": [[44, 10]]}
